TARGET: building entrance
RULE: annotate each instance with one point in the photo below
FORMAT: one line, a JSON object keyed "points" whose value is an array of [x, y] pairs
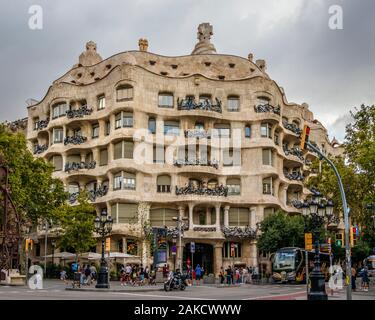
{"points": [[204, 256]]}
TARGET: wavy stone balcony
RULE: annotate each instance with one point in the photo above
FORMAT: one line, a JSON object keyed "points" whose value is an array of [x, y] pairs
{"points": [[292, 127], [74, 140], [190, 104], [263, 108], [79, 113], [41, 124], [75, 166], [219, 191], [197, 133], [294, 152], [297, 176], [40, 148], [197, 162]]}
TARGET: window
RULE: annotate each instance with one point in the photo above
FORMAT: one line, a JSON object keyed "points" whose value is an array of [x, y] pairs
{"points": [[125, 213], [166, 100], [267, 156], [199, 126], [77, 132], [172, 128], [59, 110], [163, 217], [266, 130], [233, 103], [124, 92], [35, 123], [238, 217], [276, 138], [268, 186], [247, 131], [212, 184], [163, 183], [158, 154], [204, 97], [107, 128], [101, 102], [123, 149], [234, 186], [263, 100], [57, 162], [222, 130], [103, 157], [124, 180], [152, 125], [95, 130], [58, 135], [124, 119], [73, 188], [231, 250]]}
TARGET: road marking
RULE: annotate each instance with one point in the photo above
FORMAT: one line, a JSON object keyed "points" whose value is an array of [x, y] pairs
{"points": [[160, 296], [276, 296]]}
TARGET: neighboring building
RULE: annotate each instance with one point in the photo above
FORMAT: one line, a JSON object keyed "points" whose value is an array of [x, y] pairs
{"points": [[89, 125]]}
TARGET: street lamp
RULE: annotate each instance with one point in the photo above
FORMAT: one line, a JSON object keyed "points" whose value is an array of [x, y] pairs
{"points": [[103, 226], [321, 212]]}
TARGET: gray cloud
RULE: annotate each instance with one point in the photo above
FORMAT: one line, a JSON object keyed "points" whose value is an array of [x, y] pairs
{"points": [[332, 70]]}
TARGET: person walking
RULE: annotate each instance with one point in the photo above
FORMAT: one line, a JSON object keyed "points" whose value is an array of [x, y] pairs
{"points": [[365, 279], [229, 275], [221, 275], [198, 274], [354, 275], [63, 276]]}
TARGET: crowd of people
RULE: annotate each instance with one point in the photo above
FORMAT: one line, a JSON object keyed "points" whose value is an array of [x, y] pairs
{"points": [[134, 275]]}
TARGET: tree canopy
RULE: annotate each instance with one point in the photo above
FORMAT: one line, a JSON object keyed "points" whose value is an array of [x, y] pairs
{"points": [[35, 192]]}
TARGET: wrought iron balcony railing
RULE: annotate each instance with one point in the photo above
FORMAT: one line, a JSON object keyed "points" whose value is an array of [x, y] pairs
{"points": [[100, 191], [73, 197], [79, 113], [292, 127], [308, 162], [197, 133], [204, 229], [262, 108], [74, 140], [294, 152], [294, 176], [202, 191], [40, 148], [75, 166], [190, 104], [41, 124], [239, 233], [197, 162]]}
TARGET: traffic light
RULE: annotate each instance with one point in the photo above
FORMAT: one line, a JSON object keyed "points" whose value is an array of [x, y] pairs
{"points": [[339, 241], [305, 137]]}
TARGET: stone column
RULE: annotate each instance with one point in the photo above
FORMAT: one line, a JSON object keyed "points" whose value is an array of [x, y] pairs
{"points": [[253, 253], [217, 208], [226, 216], [110, 152], [83, 156], [253, 217], [191, 208], [208, 216], [110, 181], [143, 216], [218, 258]]}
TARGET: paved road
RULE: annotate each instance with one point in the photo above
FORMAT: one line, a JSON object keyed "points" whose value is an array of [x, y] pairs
{"points": [[54, 290]]}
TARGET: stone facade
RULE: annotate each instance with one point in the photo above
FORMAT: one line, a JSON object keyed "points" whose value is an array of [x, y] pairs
{"points": [[116, 100]]}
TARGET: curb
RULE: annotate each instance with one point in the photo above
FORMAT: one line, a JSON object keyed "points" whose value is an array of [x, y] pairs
{"points": [[113, 290]]}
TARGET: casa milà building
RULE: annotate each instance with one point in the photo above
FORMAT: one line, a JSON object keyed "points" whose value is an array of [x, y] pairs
{"points": [[97, 122]]}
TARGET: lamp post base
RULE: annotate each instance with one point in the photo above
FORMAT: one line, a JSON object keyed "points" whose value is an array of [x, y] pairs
{"points": [[318, 288], [103, 281]]}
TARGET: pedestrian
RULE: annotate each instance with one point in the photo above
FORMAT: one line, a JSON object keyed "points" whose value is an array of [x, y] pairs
{"points": [[198, 274], [237, 275], [193, 276], [87, 272], [229, 275], [165, 271], [221, 275], [93, 272], [365, 279], [122, 275], [354, 275], [63, 276]]}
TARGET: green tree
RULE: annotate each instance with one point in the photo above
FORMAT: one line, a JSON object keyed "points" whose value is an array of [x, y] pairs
{"points": [[77, 222], [281, 230], [35, 192]]}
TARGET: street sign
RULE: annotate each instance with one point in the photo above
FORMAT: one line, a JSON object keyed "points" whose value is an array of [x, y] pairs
{"points": [[108, 244], [192, 247], [308, 241]]}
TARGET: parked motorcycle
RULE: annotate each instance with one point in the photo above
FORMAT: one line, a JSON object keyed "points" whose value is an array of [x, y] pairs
{"points": [[175, 281]]}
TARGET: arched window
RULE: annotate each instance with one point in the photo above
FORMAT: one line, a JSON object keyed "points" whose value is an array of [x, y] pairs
{"points": [[163, 183], [262, 100], [124, 92], [195, 183], [234, 186], [247, 131], [233, 103], [212, 184]]}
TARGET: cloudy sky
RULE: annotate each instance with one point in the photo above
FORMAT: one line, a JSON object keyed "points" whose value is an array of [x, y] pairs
{"points": [[332, 70]]}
